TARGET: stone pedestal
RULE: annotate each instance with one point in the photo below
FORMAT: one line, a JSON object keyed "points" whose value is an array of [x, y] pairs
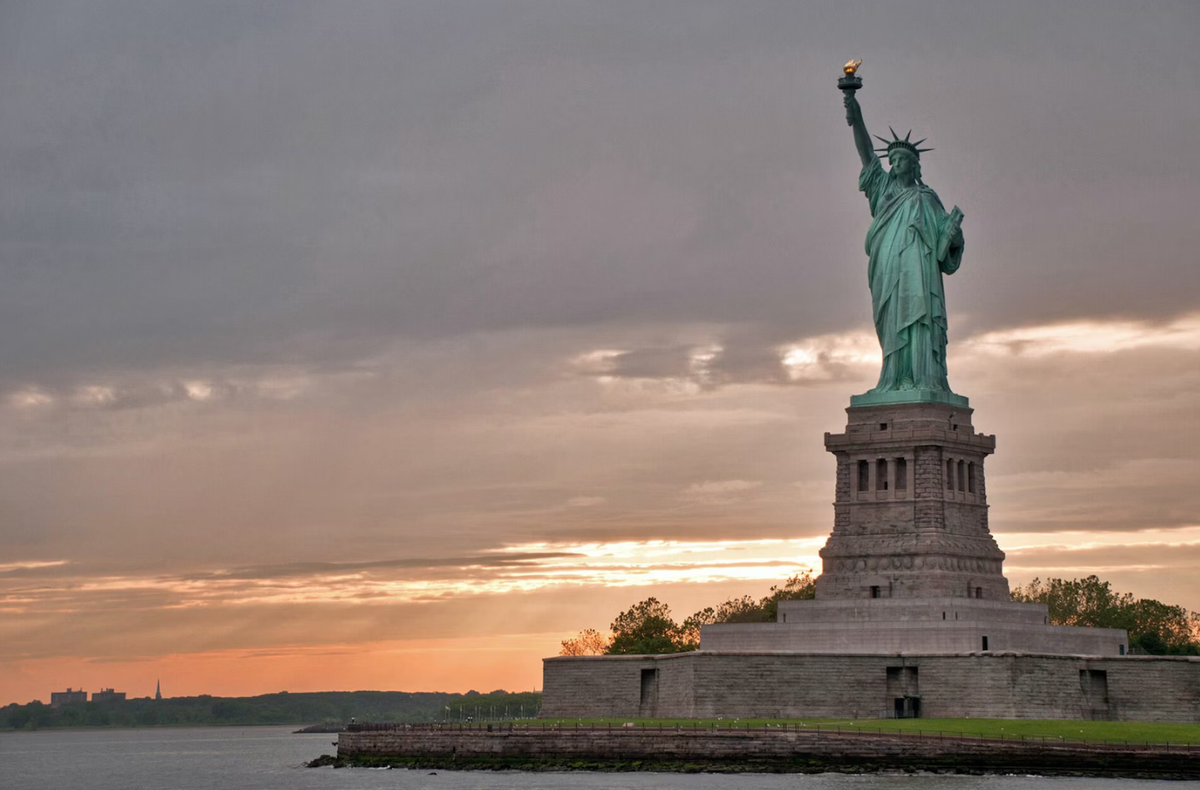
{"points": [[910, 513], [911, 567], [912, 614]]}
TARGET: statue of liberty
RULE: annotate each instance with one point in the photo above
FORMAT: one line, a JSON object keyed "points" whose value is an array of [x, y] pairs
{"points": [[912, 241]]}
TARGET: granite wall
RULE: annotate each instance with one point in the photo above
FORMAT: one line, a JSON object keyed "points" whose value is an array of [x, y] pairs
{"points": [[790, 685]]}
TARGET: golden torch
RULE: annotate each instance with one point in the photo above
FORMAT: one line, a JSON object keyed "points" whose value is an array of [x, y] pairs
{"points": [[849, 82]]}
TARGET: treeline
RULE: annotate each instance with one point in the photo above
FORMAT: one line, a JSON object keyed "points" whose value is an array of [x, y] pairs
{"points": [[648, 627], [1155, 628], [282, 708]]}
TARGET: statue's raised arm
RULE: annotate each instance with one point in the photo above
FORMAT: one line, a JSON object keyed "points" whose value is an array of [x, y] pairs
{"points": [[849, 85], [862, 140]]}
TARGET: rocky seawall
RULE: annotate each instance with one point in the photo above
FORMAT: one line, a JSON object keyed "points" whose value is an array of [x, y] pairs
{"points": [[758, 750]]}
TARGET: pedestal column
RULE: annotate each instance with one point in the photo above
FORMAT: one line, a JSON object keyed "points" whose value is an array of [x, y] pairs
{"points": [[910, 513]]}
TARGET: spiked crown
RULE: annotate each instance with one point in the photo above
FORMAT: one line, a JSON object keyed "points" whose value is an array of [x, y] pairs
{"points": [[896, 142]]}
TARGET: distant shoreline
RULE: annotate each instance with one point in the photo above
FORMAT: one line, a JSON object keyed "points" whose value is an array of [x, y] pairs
{"points": [[298, 709], [110, 727]]}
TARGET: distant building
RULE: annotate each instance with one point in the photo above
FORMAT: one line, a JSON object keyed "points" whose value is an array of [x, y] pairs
{"points": [[68, 697], [158, 690], [108, 695]]}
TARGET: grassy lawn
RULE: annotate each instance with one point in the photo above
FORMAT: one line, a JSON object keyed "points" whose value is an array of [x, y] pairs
{"points": [[1133, 732]]}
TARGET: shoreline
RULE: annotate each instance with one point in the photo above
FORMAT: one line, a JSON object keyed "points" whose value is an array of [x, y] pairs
{"points": [[808, 765], [766, 750]]}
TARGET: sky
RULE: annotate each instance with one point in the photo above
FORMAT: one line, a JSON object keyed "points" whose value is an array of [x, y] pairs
{"points": [[385, 345]]}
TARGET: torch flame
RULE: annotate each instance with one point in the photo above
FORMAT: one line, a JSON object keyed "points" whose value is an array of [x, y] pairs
{"points": [[852, 66]]}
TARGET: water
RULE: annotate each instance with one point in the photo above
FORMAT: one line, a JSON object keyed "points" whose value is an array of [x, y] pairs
{"points": [[271, 758]]}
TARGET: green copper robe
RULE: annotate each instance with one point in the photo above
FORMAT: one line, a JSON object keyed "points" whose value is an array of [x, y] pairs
{"points": [[905, 276]]}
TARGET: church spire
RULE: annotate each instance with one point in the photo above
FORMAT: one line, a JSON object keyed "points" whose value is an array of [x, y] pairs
{"points": [[158, 689]]}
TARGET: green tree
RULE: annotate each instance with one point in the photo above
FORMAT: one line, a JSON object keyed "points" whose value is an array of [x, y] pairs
{"points": [[645, 628], [739, 610], [801, 587], [20, 717], [1157, 628], [41, 715], [1088, 602], [590, 642], [96, 715], [1154, 627], [688, 637]]}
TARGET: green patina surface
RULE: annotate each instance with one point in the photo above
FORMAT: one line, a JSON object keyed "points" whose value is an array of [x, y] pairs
{"points": [[911, 243], [909, 396]]}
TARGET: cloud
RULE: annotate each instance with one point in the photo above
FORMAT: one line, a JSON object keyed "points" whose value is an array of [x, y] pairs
{"points": [[335, 286], [1089, 337], [338, 569], [258, 608], [721, 487], [259, 198], [32, 565], [374, 449], [1105, 559], [515, 568]]}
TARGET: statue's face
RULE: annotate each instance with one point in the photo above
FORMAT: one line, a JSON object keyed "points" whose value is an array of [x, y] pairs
{"points": [[903, 163]]}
